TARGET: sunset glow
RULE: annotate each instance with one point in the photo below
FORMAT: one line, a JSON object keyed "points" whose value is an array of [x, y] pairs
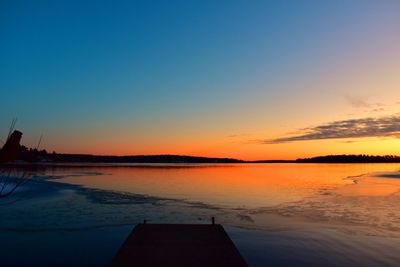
{"points": [[222, 79], [200, 133]]}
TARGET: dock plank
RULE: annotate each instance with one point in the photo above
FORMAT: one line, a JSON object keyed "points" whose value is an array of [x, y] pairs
{"points": [[178, 245]]}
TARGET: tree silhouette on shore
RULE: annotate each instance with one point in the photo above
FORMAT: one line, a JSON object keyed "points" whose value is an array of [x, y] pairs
{"points": [[11, 177]]}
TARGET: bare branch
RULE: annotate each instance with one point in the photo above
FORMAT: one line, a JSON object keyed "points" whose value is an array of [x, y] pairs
{"points": [[11, 179]]}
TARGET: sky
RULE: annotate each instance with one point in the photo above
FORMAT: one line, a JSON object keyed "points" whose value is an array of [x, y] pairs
{"points": [[245, 79]]}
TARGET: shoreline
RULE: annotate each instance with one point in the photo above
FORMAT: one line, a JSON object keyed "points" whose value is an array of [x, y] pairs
{"points": [[175, 164]]}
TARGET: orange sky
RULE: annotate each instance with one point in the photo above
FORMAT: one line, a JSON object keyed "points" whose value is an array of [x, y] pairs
{"points": [[251, 81]]}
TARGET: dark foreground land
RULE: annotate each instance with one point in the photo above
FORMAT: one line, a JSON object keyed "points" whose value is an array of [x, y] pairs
{"points": [[178, 245]]}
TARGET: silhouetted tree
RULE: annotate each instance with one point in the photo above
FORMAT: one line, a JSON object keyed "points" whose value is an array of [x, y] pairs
{"points": [[11, 177]]}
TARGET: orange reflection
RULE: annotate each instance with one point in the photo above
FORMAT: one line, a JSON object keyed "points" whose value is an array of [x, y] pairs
{"points": [[247, 185]]}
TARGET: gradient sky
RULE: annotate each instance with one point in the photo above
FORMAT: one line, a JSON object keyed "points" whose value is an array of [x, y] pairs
{"points": [[243, 79]]}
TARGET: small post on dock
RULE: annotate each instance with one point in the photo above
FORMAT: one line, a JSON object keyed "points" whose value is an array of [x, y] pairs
{"points": [[212, 220], [144, 221]]}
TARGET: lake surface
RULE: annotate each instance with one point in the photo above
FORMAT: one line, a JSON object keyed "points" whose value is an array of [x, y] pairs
{"points": [[277, 214]]}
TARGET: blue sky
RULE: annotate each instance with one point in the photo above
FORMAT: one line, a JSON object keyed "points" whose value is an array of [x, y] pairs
{"points": [[70, 67]]}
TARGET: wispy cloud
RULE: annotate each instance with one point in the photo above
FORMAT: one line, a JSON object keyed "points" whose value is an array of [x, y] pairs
{"points": [[361, 103], [238, 135], [386, 126], [357, 102]]}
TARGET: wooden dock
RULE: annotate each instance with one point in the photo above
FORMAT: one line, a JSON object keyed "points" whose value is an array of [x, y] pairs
{"points": [[178, 245]]}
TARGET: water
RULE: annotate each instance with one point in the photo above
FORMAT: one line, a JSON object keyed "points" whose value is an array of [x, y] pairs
{"points": [[279, 214]]}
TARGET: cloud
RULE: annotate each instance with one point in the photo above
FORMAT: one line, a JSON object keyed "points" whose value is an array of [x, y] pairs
{"points": [[357, 102], [361, 104], [378, 110], [387, 126], [238, 135]]}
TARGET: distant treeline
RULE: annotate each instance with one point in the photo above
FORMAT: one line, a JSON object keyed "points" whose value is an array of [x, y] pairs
{"points": [[34, 155], [351, 159], [271, 161]]}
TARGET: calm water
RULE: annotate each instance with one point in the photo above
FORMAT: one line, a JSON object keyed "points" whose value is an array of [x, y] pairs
{"points": [[279, 214]]}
